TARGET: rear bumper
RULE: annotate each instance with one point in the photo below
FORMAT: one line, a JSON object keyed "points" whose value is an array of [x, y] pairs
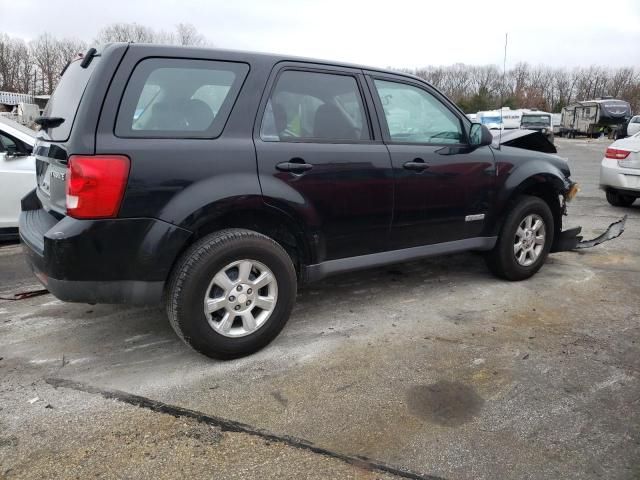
{"points": [[614, 176], [99, 261]]}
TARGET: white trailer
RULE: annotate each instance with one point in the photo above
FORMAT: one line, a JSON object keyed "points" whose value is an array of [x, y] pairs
{"points": [[504, 118]]}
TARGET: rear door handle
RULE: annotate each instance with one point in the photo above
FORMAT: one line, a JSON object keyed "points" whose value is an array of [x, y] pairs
{"points": [[295, 165], [416, 165]]}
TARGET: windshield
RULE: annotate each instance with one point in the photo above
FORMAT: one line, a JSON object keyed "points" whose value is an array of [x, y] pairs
{"points": [[486, 119], [66, 98], [538, 120]]}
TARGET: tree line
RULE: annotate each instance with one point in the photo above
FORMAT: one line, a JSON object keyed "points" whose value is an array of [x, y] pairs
{"points": [[34, 67], [476, 88]]}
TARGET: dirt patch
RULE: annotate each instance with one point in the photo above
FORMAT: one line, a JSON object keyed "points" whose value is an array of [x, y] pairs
{"points": [[450, 404]]}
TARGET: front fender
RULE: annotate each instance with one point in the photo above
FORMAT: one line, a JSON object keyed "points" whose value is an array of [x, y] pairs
{"points": [[518, 170]]}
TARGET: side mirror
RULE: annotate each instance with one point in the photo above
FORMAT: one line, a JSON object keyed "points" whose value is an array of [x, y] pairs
{"points": [[479, 135]]}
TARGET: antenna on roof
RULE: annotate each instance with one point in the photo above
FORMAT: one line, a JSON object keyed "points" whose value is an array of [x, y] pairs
{"points": [[504, 72]]}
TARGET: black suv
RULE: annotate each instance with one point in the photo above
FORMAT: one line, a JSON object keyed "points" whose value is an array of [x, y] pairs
{"points": [[220, 181]]}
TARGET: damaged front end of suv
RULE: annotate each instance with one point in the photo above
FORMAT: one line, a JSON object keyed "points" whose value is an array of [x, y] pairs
{"points": [[570, 239]]}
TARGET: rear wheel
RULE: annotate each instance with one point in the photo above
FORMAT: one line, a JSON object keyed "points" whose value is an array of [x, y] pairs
{"points": [[525, 240], [231, 293], [618, 199]]}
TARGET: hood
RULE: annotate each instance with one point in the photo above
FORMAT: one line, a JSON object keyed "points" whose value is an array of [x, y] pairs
{"points": [[526, 139], [18, 131]]}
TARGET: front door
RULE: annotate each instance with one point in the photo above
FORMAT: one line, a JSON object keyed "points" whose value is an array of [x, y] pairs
{"points": [[444, 187], [321, 159]]}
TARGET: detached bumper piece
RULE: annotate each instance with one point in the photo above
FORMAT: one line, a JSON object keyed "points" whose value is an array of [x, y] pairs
{"points": [[571, 239]]}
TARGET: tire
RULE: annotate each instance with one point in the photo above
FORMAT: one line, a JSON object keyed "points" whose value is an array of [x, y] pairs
{"points": [[502, 259], [618, 199], [192, 285]]}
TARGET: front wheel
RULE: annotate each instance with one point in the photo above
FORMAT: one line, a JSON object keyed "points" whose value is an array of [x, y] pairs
{"points": [[525, 240], [231, 293]]}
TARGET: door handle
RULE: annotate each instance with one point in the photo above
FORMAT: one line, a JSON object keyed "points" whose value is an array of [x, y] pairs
{"points": [[417, 165], [295, 165]]}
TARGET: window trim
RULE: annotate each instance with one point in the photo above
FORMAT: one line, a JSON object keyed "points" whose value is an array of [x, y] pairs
{"points": [[282, 67], [382, 118], [213, 132]]}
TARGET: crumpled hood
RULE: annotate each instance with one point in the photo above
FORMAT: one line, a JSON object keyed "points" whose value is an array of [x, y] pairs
{"points": [[526, 139]]}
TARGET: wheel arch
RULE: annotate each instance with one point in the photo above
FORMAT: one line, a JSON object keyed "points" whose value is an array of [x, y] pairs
{"points": [[546, 185], [252, 214]]}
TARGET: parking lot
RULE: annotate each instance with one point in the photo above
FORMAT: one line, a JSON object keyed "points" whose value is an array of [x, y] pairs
{"points": [[420, 370]]}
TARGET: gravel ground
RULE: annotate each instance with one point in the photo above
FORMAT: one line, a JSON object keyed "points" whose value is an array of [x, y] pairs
{"points": [[433, 367]]}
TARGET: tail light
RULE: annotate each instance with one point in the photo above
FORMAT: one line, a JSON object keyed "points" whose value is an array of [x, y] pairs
{"points": [[95, 185], [616, 153]]}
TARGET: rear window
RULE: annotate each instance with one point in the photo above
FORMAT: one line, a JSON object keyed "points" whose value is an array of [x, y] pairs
{"points": [[172, 98], [66, 98]]}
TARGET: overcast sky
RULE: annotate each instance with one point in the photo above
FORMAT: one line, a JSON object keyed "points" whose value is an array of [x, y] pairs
{"points": [[392, 33]]}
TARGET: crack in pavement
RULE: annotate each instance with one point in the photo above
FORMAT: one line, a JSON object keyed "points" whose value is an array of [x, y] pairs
{"points": [[233, 426]]}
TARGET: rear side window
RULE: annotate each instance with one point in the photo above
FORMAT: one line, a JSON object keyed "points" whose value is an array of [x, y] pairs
{"points": [[311, 106], [66, 98], [170, 98]]}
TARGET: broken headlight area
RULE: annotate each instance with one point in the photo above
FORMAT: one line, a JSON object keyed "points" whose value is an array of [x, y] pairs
{"points": [[572, 192]]}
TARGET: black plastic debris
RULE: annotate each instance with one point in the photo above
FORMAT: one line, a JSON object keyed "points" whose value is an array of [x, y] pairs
{"points": [[572, 240], [24, 295]]}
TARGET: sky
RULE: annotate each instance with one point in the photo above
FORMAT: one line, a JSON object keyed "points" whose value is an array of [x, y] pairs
{"points": [[395, 33]]}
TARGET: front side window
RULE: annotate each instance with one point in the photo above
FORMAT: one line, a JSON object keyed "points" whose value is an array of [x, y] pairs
{"points": [[415, 116], [7, 143], [311, 106], [13, 146], [179, 98]]}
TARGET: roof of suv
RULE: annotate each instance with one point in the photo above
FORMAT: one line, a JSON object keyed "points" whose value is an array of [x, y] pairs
{"points": [[160, 49]]}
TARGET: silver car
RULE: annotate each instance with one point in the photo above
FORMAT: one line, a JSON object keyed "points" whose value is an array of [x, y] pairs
{"points": [[620, 171]]}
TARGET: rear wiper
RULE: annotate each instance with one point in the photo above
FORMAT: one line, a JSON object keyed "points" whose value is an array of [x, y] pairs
{"points": [[49, 122]]}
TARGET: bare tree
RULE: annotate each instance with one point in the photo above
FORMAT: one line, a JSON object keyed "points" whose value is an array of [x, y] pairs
{"points": [[186, 34], [16, 65], [126, 32], [46, 56], [69, 49]]}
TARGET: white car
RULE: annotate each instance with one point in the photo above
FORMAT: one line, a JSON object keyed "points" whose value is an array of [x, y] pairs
{"points": [[620, 171], [17, 173], [634, 126]]}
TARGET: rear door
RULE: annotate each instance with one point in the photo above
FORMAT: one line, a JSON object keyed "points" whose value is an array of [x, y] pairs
{"points": [[321, 159], [443, 188]]}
